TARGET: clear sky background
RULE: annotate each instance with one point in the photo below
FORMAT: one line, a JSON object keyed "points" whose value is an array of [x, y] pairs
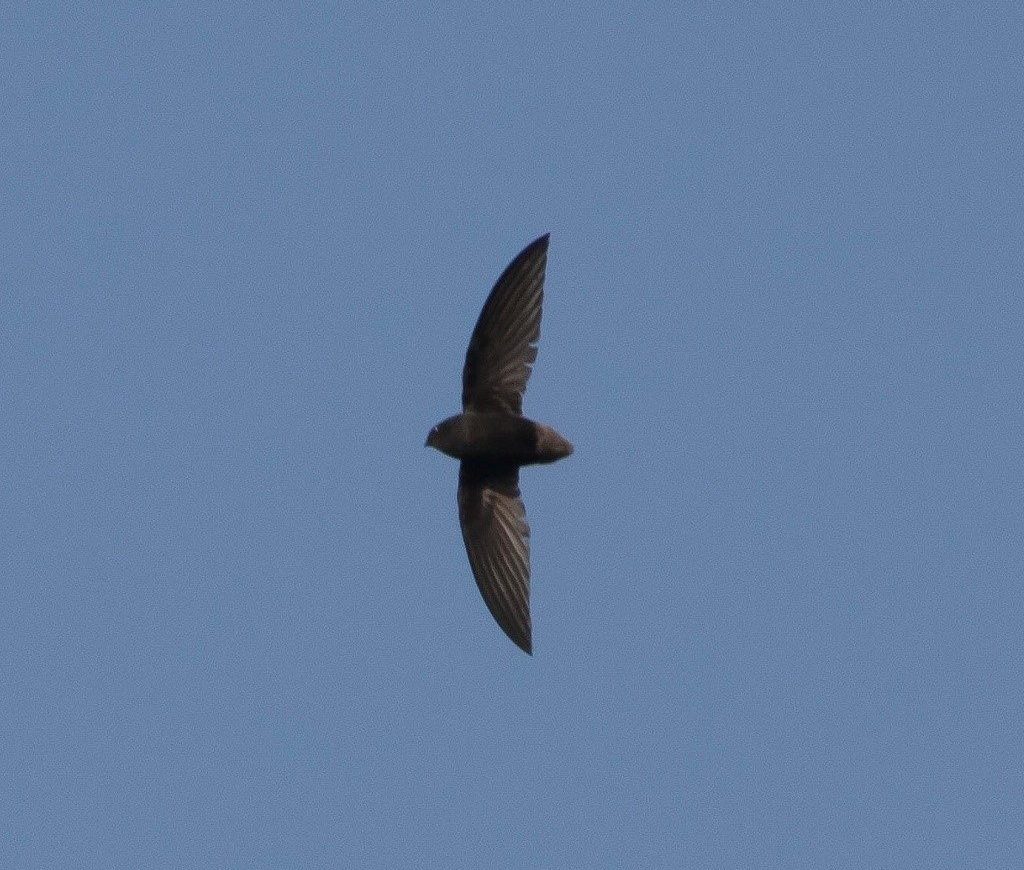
{"points": [[777, 590]]}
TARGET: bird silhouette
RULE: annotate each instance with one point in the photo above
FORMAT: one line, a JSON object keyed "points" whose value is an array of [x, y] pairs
{"points": [[492, 439]]}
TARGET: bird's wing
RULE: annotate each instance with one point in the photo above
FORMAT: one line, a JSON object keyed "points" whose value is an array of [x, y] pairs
{"points": [[504, 343], [497, 538]]}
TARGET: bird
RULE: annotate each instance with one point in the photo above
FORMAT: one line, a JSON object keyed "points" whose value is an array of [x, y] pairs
{"points": [[492, 440]]}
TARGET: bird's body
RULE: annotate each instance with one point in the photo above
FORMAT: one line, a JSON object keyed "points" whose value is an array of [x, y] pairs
{"points": [[492, 439], [500, 438]]}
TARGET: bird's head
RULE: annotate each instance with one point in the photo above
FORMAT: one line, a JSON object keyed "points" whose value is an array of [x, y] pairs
{"points": [[445, 435]]}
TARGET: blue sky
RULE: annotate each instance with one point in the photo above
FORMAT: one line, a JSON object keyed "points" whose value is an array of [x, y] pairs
{"points": [[777, 590]]}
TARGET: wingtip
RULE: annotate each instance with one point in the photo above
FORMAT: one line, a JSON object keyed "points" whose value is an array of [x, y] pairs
{"points": [[523, 641], [540, 242]]}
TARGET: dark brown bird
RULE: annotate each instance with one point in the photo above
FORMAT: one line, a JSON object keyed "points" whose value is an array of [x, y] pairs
{"points": [[493, 439]]}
